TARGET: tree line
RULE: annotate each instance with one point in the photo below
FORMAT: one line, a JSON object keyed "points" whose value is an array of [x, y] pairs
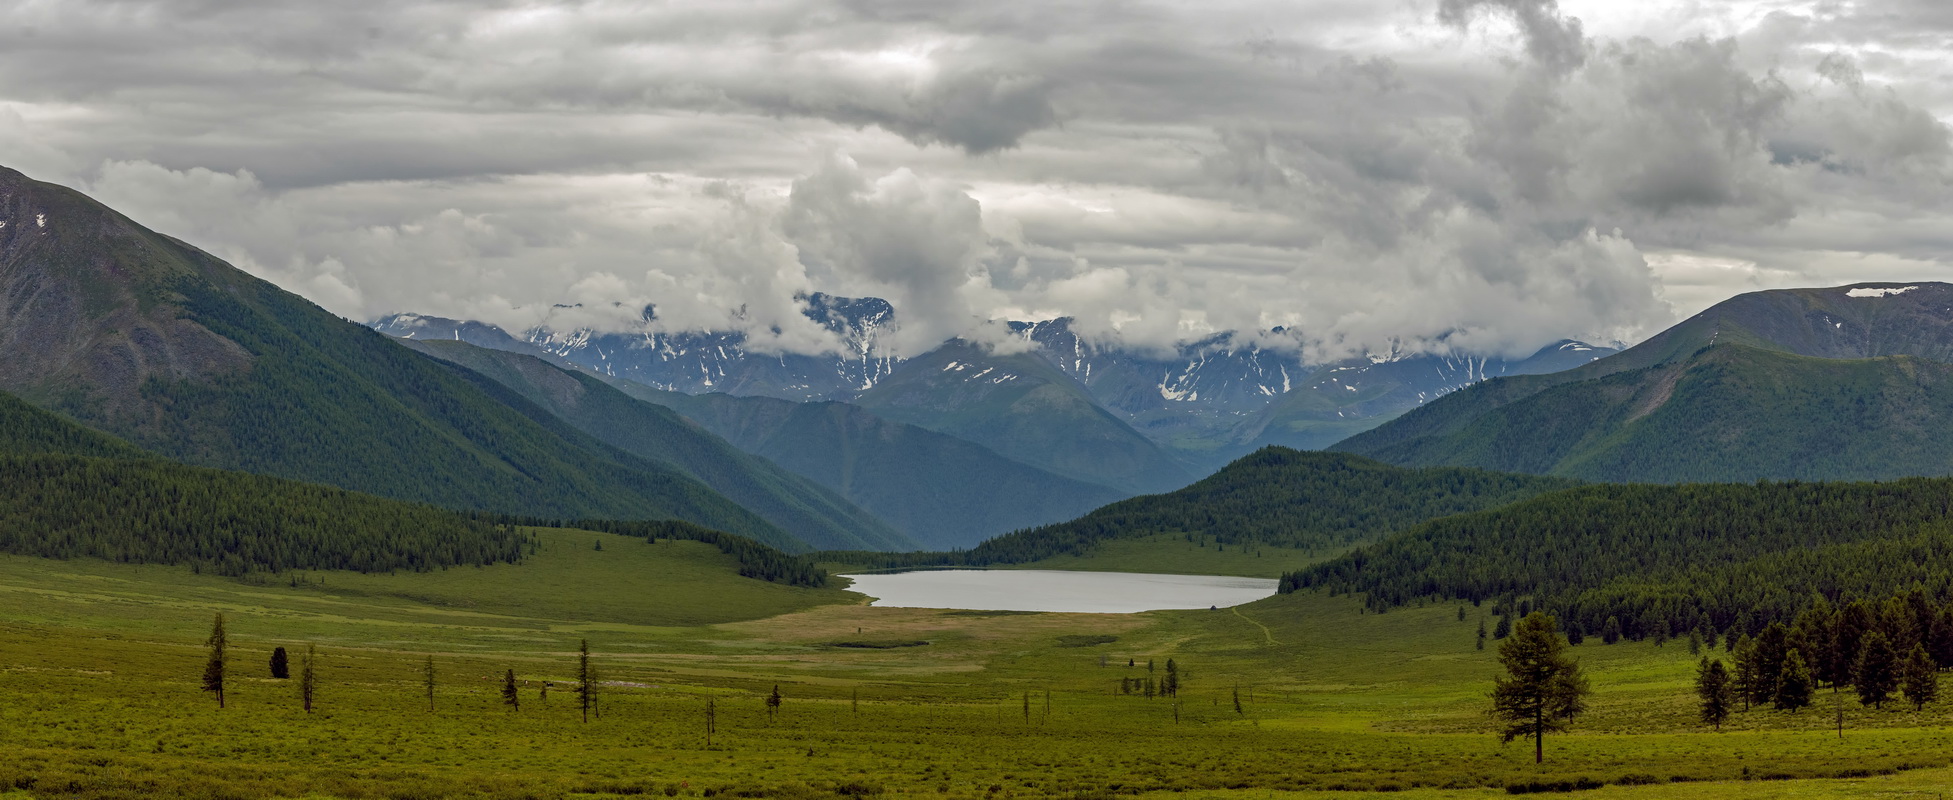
{"points": [[1881, 650], [1639, 561], [150, 511], [229, 523]]}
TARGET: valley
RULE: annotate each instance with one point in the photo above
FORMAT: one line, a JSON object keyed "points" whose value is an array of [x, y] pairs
{"points": [[435, 523], [100, 698]]}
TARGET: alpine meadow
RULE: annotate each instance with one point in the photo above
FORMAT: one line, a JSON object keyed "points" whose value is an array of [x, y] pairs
{"points": [[849, 399]]}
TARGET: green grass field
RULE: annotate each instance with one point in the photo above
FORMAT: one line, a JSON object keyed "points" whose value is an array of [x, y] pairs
{"points": [[99, 695]]}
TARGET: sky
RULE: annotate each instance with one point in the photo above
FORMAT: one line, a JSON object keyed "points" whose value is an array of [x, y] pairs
{"points": [[1482, 176]]}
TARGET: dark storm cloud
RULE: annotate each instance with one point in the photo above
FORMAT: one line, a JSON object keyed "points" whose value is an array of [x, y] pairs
{"points": [[1492, 174]]}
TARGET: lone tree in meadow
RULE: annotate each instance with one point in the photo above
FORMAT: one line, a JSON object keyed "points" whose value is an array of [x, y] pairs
{"points": [[1920, 678], [1712, 685], [308, 678], [213, 669], [427, 681], [1877, 672], [773, 703], [510, 697], [586, 690], [1542, 689], [1171, 687], [281, 664]]}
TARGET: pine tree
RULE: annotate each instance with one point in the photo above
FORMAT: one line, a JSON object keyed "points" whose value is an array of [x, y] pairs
{"points": [[1481, 634], [1877, 672], [281, 665], [586, 690], [1171, 688], [1610, 632], [1794, 683], [308, 678], [510, 697], [1920, 680], [1542, 688], [1504, 628], [427, 681], [773, 702], [213, 669], [1712, 685]]}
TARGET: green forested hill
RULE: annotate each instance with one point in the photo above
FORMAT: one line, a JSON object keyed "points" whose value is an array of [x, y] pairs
{"points": [[26, 430], [1725, 413], [166, 346], [1664, 560], [67, 491], [1275, 496], [812, 513], [156, 512], [1285, 497], [1846, 383]]}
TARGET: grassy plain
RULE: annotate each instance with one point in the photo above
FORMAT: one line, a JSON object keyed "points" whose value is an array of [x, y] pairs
{"points": [[99, 697]]}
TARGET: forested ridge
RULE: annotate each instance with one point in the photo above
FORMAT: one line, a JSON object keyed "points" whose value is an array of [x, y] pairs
{"points": [[230, 523], [1654, 560], [1274, 496]]}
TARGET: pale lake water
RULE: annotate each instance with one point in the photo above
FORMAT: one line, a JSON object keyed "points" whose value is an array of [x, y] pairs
{"points": [[1055, 590]]}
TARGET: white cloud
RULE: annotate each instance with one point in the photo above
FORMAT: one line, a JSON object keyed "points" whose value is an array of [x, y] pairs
{"points": [[1480, 174]]}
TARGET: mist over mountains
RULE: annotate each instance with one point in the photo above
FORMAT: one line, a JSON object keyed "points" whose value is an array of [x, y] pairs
{"points": [[1204, 404]]}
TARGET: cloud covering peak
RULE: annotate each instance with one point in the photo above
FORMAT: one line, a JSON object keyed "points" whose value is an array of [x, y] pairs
{"points": [[1478, 175]]}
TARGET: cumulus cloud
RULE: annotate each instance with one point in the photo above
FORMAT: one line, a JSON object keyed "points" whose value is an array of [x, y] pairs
{"points": [[1476, 175]]}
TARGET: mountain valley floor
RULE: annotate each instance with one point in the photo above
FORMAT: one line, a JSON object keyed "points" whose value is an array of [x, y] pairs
{"points": [[100, 667]]}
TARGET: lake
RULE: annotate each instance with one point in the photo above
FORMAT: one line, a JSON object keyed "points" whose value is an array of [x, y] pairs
{"points": [[1056, 590]]}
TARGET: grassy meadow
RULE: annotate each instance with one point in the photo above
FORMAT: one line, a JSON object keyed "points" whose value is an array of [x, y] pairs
{"points": [[99, 698]]}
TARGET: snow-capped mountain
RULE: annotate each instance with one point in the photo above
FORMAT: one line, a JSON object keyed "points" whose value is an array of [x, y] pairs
{"points": [[1208, 401], [702, 362]]}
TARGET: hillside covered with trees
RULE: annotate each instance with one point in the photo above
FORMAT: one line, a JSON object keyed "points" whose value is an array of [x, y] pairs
{"points": [[1275, 496], [1656, 561]]}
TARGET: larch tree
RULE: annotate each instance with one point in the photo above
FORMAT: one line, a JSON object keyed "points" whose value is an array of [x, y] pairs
{"points": [[586, 691], [510, 697], [1712, 685], [308, 677], [1794, 684], [213, 668], [1542, 689], [1745, 680], [427, 680], [1920, 681], [1876, 674]]}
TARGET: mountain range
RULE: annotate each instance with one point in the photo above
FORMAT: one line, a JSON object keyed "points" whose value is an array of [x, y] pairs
{"points": [[174, 355], [1130, 419]]}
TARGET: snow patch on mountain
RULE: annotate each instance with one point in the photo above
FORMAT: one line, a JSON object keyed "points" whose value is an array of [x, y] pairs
{"points": [[1871, 292]]}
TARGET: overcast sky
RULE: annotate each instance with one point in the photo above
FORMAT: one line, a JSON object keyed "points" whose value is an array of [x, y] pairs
{"points": [[1492, 174]]}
